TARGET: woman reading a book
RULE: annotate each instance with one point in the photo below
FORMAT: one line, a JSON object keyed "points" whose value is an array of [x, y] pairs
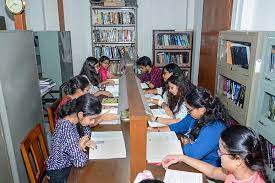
{"points": [[167, 71], [202, 127], [73, 89], [240, 154], [179, 86], [72, 136], [105, 74], [90, 70]]}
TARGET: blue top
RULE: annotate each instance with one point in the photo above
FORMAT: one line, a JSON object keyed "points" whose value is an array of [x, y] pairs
{"points": [[65, 150], [206, 145]]}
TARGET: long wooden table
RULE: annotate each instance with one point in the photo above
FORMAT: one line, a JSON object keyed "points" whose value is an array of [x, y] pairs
{"points": [[134, 133]]}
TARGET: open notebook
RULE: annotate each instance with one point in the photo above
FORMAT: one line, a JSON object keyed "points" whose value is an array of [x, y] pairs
{"points": [[113, 89], [111, 111], [158, 113], [175, 176], [109, 145], [161, 144]]}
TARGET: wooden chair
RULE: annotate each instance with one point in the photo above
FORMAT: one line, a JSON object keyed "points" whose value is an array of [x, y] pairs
{"points": [[34, 146], [51, 116]]}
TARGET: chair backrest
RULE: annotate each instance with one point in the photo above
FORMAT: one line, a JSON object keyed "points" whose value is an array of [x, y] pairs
{"points": [[51, 116], [35, 154]]}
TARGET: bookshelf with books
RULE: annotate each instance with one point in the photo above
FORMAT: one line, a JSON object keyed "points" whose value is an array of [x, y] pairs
{"points": [[170, 46], [245, 83], [114, 33]]}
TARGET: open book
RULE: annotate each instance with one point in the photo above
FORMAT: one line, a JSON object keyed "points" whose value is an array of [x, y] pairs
{"points": [[113, 90], [111, 111], [175, 176], [109, 145], [161, 144], [112, 101]]}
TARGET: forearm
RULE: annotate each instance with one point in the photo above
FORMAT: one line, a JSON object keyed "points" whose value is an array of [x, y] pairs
{"points": [[206, 168], [167, 121]]}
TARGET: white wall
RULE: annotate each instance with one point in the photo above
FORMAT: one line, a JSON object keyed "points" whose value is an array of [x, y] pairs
{"points": [[77, 20], [255, 15]]}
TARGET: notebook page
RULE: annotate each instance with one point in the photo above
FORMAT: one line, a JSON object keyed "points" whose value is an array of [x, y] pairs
{"points": [[175, 176]]}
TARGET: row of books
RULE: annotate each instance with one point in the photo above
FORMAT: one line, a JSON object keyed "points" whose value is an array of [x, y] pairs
{"points": [[113, 18], [269, 153], [234, 91], [114, 35], [173, 40], [115, 52], [238, 53], [178, 58], [271, 108], [272, 63]]}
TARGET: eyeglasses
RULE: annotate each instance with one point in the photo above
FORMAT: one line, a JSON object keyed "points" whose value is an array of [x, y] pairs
{"points": [[220, 154]]}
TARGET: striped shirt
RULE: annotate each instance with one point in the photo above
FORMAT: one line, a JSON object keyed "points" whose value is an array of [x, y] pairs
{"points": [[65, 150], [154, 77]]}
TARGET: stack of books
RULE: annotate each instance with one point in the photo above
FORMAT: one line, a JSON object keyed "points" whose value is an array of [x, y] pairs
{"points": [[46, 85]]}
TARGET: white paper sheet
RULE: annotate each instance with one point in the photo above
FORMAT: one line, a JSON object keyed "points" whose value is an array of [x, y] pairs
{"points": [[113, 89], [154, 124], [115, 80], [175, 176], [144, 85], [110, 145], [111, 111], [160, 113], [161, 144]]}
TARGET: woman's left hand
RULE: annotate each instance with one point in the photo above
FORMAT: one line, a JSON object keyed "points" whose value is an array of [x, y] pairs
{"points": [[90, 144]]}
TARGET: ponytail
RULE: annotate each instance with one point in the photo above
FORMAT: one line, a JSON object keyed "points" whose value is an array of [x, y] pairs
{"points": [[75, 83], [215, 111]]}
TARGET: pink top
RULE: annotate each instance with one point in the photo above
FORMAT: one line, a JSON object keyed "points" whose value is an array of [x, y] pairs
{"points": [[105, 74], [256, 178]]}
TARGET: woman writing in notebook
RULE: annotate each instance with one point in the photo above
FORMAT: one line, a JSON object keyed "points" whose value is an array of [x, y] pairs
{"points": [[73, 89], [202, 127], [241, 158], [179, 86], [167, 71], [72, 136], [90, 70]]}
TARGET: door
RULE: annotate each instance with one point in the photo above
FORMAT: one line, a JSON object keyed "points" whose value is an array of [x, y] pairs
{"points": [[216, 17]]}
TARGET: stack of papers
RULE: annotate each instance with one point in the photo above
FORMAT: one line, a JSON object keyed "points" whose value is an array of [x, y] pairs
{"points": [[161, 144], [111, 111], [109, 145], [46, 85], [175, 176], [113, 89], [158, 113], [144, 85]]}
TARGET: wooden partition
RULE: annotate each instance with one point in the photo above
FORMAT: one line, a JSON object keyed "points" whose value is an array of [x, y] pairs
{"points": [[138, 125]]}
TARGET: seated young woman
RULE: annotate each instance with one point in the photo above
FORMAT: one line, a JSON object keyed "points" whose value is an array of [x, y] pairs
{"points": [[72, 136], [202, 127], [90, 70], [105, 74], [167, 71], [241, 158], [74, 88], [179, 86]]}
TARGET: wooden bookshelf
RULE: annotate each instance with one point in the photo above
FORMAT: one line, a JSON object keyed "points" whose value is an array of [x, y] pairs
{"points": [[170, 46], [114, 33], [251, 65]]}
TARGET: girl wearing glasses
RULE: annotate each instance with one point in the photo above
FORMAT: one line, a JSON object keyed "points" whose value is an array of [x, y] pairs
{"points": [[202, 127], [241, 158]]}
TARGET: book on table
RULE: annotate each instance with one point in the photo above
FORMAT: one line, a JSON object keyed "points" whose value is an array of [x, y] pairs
{"points": [[112, 101]]}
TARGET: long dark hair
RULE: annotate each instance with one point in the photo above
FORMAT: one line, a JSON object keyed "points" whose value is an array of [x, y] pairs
{"points": [[88, 104], [171, 68], [215, 110], [89, 70], [243, 142], [184, 86], [75, 83], [103, 58]]}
